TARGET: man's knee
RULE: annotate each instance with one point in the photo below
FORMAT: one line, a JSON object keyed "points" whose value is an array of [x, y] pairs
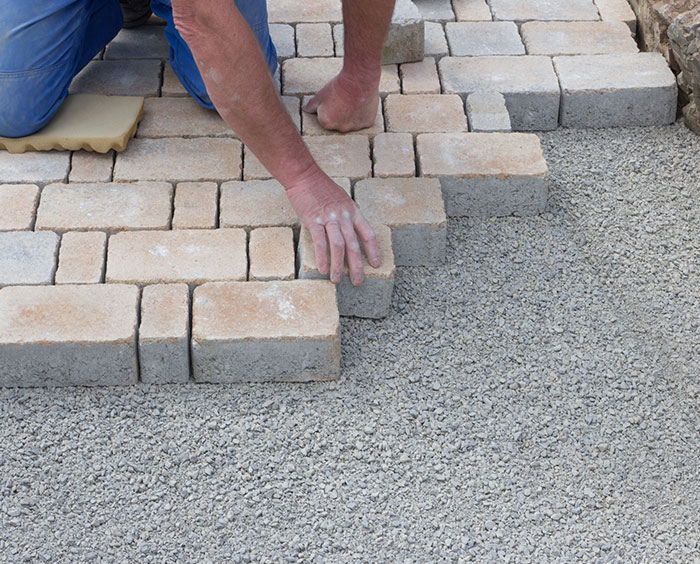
{"points": [[26, 107]]}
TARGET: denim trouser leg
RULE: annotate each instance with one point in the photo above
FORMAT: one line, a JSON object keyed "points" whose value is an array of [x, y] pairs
{"points": [[43, 45], [181, 59]]}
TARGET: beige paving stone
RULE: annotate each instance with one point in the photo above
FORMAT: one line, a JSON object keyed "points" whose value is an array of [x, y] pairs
{"points": [[282, 36], [81, 258], [477, 39], [271, 251], [119, 78], [393, 155], [196, 205], [389, 82], [372, 299], [405, 39], [164, 348], [180, 117], [192, 256], [308, 75], [486, 174], [27, 257], [435, 40], [420, 78], [145, 42], [293, 11], [487, 111], [105, 207], [265, 331], [414, 210], [471, 10], [314, 40], [68, 335], [423, 113], [88, 166], [18, 204], [171, 83], [178, 160], [293, 106], [435, 10], [30, 167], [311, 126], [566, 10], [617, 11], [578, 38]]}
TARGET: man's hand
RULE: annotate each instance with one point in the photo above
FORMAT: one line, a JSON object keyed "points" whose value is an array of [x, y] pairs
{"points": [[327, 211]]}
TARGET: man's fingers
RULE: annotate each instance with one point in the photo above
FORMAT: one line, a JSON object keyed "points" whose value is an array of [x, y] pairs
{"points": [[368, 239], [337, 244], [312, 105], [318, 235], [352, 250]]}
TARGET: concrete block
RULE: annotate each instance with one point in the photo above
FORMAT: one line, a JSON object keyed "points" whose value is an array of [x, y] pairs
{"points": [[393, 155], [196, 205], [544, 10], [88, 166], [18, 204], [620, 90], [617, 11], [577, 38], [118, 78], [435, 40], [307, 75], [145, 42], [414, 210], [423, 113], [164, 334], [528, 83], [293, 11], [487, 112], [315, 40], [486, 174], [68, 335], [476, 39], [373, 298], [108, 207], [436, 10], [27, 257], [420, 78], [192, 256], [278, 331], [81, 259], [271, 251], [180, 117], [30, 167], [171, 83], [471, 10], [405, 40], [282, 36]]}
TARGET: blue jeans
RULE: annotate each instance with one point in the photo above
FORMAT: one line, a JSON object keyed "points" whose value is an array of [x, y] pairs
{"points": [[45, 43]]}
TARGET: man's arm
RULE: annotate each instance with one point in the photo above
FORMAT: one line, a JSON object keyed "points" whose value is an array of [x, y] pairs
{"points": [[241, 88]]}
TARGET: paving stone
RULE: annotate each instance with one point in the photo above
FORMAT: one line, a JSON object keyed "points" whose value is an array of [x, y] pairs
{"points": [[617, 11], [27, 257], [108, 207], [436, 10], [192, 256], [282, 36], [435, 40], [393, 155], [309, 74], [311, 126], [528, 83], [88, 166], [545, 10], [145, 42], [177, 160], [81, 258], [620, 90], [315, 40], [405, 41], [577, 38], [271, 251], [180, 117], [293, 106], [471, 10], [293, 11], [281, 331], [196, 205], [474, 39], [259, 203], [423, 113], [18, 204], [420, 78], [164, 334], [119, 78], [171, 83], [51, 166], [414, 210], [487, 112], [373, 298], [486, 174], [68, 335]]}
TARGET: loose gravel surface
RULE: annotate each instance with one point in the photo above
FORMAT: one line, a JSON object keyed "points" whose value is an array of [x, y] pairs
{"points": [[535, 400]]}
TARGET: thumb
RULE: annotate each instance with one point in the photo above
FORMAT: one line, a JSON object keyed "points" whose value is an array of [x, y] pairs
{"points": [[312, 105]]}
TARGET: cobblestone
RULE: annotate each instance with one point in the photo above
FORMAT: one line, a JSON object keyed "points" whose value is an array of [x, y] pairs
{"points": [[81, 258], [487, 111], [420, 78], [308, 75], [422, 113], [293, 11], [271, 251], [577, 38], [27, 257], [18, 204], [119, 78], [393, 155], [436, 10], [545, 10], [180, 117], [471, 10], [314, 40], [435, 40], [88, 166], [33, 167], [405, 41], [474, 39], [196, 205], [171, 83], [617, 11], [282, 36], [145, 42]]}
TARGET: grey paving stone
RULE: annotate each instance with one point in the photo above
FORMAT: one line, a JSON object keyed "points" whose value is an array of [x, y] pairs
{"points": [[528, 83], [525, 10], [616, 90], [405, 40], [68, 335], [34, 166], [145, 42], [474, 39], [471, 10], [435, 40], [283, 37], [436, 10], [119, 78], [577, 38], [487, 111], [27, 257]]}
